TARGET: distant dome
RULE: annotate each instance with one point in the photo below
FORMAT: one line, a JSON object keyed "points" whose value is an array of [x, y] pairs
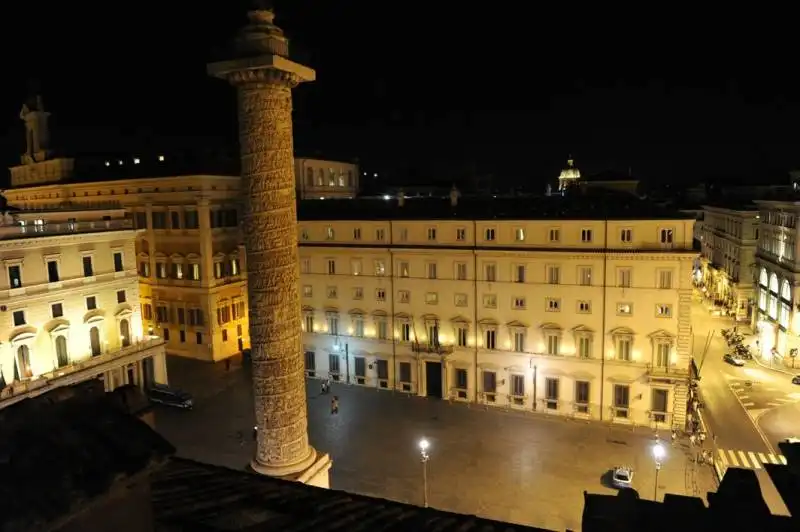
{"points": [[569, 175]]}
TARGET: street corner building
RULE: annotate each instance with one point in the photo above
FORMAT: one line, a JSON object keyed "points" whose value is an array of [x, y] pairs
{"points": [[575, 305]]}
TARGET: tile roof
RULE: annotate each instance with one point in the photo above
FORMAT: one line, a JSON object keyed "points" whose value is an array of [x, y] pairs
{"points": [[190, 495], [589, 205], [62, 449]]}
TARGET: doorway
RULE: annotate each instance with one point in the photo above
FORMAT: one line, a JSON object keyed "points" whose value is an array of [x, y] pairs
{"points": [[94, 340], [433, 379]]}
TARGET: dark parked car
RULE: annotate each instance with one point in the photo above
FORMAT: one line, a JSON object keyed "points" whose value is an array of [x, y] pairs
{"points": [[170, 396], [796, 379]]}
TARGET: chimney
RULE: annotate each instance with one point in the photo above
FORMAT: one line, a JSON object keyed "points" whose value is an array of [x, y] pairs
{"points": [[401, 198], [454, 194]]}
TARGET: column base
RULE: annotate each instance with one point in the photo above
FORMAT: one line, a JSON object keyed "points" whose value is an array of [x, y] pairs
{"points": [[313, 470]]}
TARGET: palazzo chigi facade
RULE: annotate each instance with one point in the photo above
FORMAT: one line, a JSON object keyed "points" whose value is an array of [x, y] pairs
{"points": [[541, 304]]}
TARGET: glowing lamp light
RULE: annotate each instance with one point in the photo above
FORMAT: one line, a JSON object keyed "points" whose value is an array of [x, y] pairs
{"points": [[424, 445], [659, 452]]}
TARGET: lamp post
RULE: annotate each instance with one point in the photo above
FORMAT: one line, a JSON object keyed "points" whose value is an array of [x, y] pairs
{"points": [[424, 457], [658, 456]]}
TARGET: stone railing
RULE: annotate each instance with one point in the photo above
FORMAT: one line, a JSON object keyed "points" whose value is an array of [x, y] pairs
{"points": [[667, 371], [63, 228], [437, 349]]}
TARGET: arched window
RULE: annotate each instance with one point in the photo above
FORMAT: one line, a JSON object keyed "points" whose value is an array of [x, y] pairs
{"points": [[22, 369], [763, 277], [786, 290], [61, 351], [125, 333], [94, 340], [773, 283]]}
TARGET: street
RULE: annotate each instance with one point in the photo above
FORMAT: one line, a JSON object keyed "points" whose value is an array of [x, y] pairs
{"points": [[747, 410], [517, 467]]}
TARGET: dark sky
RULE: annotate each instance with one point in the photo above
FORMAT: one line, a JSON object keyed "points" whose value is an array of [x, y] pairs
{"points": [[503, 88]]}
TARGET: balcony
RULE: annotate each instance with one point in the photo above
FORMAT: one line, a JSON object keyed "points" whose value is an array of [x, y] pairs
{"points": [[80, 371], [32, 230], [434, 349], [671, 373]]}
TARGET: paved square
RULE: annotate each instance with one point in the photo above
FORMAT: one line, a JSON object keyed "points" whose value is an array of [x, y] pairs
{"points": [[513, 466]]}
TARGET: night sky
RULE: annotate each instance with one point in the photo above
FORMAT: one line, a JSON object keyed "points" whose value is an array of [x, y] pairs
{"points": [[425, 93]]}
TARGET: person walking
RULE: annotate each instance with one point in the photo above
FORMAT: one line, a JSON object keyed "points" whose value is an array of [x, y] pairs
{"points": [[334, 405], [227, 364], [674, 437]]}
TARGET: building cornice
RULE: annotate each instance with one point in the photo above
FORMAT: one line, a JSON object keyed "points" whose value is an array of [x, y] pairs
{"points": [[34, 242]]}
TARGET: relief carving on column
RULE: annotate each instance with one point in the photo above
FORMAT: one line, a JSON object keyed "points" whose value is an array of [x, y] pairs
{"points": [[270, 235]]}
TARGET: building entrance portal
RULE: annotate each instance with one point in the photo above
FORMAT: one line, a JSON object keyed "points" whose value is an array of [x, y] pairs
{"points": [[433, 379]]}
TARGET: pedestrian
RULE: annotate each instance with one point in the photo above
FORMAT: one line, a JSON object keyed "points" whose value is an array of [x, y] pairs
{"points": [[674, 437], [227, 364], [693, 439], [328, 384], [324, 387], [335, 405], [702, 437]]}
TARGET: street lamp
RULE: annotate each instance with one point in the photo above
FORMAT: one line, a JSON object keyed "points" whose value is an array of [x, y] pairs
{"points": [[424, 457], [658, 455]]}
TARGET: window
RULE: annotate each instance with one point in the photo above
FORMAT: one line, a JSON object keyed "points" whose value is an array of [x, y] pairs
{"points": [[147, 311], [489, 385], [404, 296], [461, 271], [461, 383], [518, 273], [623, 347], [405, 375], [553, 274], [182, 316], [519, 341], [57, 310], [519, 234], [584, 346], [585, 275], [121, 297], [358, 293], [403, 234], [331, 267], [218, 273], [177, 270], [402, 269], [488, 234], [626, 236], [141, 220], [461, 336], [305, 266], [309, 322], [664, 311], [175, 220], [490, 272], [159, 220], [624, 276], [663, 350], [19, 318], [358, 327], [198, 338], [554, 235], [196, 317], [380, 294], [586, 235], [381, 330], [658, 405], [380, 234], [329, 234], [91, 303], [405, 332], [461, 234], [460, 300], [431, 233], [665, 279], [194, 271], [431, 298], [551, 393], [118, 264], [304, 234], [582, 397], [88, 267], [666, 236], [308, 290], [15, 276], [331, 292], [52, 271], [552, 304], [431, 270], [161, 314], [518, 303], [584, 307], [191, 220], [380, 268], [490, 337], [624, 309], [333, 324], [489, 301], [518, 387], [622, 394], [357, 233], [553, 344]]}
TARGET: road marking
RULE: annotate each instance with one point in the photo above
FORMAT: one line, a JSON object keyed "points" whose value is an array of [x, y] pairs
{"points": [[772, 458], [743, 458], [762, 458], [743, 396], [734, 461], [774, 404], [794, 395], [782, 459], [722, 457], [756, 463], [772, 389], [748, 404], [784, 400]]}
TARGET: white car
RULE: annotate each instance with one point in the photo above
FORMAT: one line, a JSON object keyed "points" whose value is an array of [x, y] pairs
{"points": [[622, 476], [792, 440]]}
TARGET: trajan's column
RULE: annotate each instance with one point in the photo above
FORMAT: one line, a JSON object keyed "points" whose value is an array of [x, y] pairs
{"points": [[264, 78]]}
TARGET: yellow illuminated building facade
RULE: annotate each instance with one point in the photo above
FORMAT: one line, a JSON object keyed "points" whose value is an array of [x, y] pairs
{"points": [[576, 317], [69, 303], [322, 179]]}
